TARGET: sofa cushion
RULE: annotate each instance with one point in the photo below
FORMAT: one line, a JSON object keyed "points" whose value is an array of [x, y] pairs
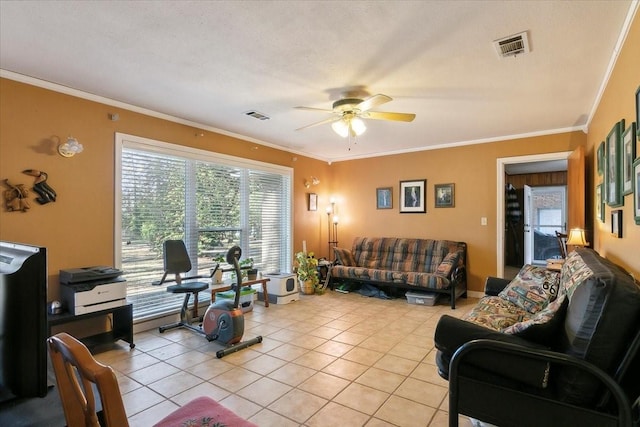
{"points": [[496, 313], [574, 271], [543, 326], [532, 289], [449, 262], [602, 318], [344, 257]]}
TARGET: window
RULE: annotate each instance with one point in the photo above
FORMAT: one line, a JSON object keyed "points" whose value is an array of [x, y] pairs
{"points": [[211, 201]]}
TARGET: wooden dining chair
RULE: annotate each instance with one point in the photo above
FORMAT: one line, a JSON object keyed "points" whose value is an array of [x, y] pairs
{"points": [[91, 397]]}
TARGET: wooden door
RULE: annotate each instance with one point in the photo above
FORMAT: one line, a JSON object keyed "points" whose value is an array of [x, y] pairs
{"points": [[576, 176]]}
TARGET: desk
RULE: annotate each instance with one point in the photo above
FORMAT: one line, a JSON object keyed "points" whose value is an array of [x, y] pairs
{"points": [[122, 327], [222, 287]]}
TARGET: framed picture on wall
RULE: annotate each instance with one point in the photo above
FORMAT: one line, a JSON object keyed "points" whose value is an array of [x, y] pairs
{"points": [[616, 223], [384, 199], [600, 158], [636, 191], [313, 202], [599, 203], [445, 195], [613, 192], [628, 156], [638, 112], [412, 196]]}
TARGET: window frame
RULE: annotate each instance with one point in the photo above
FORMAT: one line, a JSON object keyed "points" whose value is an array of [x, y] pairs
{"points": [[126, 141]]}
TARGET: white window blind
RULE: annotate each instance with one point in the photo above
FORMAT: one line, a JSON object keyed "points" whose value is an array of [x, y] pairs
{"points": [[211, 201]]}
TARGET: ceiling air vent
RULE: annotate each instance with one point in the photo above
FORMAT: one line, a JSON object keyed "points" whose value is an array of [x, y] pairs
{"points": [[513, 45], [257, 115]]}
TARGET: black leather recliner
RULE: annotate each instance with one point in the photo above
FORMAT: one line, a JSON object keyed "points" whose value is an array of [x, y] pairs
{"points": [[580, 369]]}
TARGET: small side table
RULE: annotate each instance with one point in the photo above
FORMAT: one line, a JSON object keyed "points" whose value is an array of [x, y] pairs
{"points": [[222, 287], [555, 264]]}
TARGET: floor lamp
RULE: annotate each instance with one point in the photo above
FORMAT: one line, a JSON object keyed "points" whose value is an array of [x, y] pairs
{"points": [[332, 228]]}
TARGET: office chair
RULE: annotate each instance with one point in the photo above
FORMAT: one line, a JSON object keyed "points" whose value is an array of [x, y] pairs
{"points": [[177, 262], [79, 375], [562, 243]]}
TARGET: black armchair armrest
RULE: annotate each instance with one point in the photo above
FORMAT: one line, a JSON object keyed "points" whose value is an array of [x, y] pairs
{"points": [[546, 409], [494, 285], [453, 333]]}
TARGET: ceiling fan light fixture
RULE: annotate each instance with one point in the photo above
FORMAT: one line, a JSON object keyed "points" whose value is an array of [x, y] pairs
{"points": [[358, 126], [341, 127], [349, 126]]}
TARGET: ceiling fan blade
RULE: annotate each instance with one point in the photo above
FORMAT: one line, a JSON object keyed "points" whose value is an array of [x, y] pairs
{"points": [[324, 110], [382, 115], [321, 122], [373, 101]]}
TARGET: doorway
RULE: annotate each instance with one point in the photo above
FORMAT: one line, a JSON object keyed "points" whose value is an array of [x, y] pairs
{"points": [[531, 163], [545, 213]]}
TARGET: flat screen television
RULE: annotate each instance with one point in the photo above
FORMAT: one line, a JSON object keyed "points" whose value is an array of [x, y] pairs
{"points": [[23, 320]]}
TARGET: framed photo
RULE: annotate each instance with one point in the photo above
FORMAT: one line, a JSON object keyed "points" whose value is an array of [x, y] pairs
{"points": [[599, 203], [628, 156], [313, 202], [616, 223], [613, 193], [638, 112], [600, 158], [445, 195], [384, 198], [636, 191], [413, 195]]}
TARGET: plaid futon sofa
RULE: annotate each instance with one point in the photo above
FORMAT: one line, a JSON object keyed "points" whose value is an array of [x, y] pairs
{"points": [[414, 264]]}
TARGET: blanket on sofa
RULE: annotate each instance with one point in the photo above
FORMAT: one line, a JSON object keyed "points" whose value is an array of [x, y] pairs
{"points": [[424, 263]]}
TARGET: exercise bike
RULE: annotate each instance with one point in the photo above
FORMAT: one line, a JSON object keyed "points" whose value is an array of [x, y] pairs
{"points": [[224, 320]]}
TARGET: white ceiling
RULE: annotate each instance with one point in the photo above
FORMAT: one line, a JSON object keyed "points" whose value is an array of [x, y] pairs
{"points": [[206, 63]]}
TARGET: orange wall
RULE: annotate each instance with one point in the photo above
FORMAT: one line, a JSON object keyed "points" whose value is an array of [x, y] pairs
{"points": [[473, 170], [77, 229], [618, 102]]}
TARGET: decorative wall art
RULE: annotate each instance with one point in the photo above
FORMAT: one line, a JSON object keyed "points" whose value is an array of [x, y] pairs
{"points": [[412, 196], [600, 158], [384, 198], [613, 193], [616, 223], [46, 194], [445, 195], [636, 192], [628, 156], [599, 203], [638, 112], [16, 197], [313, 202]]}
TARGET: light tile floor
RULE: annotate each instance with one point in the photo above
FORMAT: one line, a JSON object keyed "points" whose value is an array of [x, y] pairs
{"points": [[326, 360]]}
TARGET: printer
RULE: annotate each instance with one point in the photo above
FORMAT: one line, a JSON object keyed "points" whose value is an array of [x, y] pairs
{"points": [[90, 289]]}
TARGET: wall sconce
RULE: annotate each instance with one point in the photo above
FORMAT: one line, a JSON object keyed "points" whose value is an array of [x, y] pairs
{"points": [[70, 148], [312, 181], [577, 238]]}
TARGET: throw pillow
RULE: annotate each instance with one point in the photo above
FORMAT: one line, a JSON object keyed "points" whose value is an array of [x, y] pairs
{"points": [[344, 257], [533, 288], [449, 262]]}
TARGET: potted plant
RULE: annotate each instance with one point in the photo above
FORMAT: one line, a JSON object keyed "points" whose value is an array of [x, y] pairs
{"points": [[307, 270], [217, 276], [246, 265]]}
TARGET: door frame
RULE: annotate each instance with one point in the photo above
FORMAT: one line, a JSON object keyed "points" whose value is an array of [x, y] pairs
{"points": [[500, 202]]}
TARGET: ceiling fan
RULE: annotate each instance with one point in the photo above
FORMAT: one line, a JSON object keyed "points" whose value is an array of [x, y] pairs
{"points": [[349, 112]]}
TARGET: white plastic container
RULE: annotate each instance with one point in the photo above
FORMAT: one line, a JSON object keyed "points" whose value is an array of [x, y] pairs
{"points": [[421, 298], [281, 288]]}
